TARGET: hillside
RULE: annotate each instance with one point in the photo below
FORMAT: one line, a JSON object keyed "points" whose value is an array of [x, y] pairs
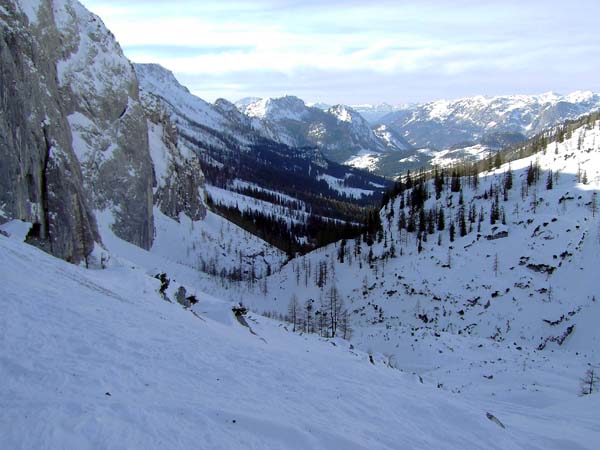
{"points": [[98, 359], [516, 295]]}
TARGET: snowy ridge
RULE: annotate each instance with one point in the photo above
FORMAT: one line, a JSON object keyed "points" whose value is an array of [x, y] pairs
{"points": [[186, 110]]}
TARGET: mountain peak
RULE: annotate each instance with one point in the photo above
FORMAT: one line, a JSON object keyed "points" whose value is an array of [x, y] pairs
{"points": [[287, 107], [156, 73]]}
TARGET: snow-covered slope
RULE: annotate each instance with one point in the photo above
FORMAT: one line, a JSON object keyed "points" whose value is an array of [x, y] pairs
{"points": [[506, 298], [98, 359]]}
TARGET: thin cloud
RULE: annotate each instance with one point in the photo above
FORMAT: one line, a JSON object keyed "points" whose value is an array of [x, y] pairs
{"points": [[336, 51]]}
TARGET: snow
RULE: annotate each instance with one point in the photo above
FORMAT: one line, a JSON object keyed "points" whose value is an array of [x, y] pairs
{"points": [[81, 128], [157, 81], [159, 156], [485, 326], [30, 8], [277, 109], [184, 246], [439, 110], [384, 133], [445, 158], [16, 229], [341, 113], [242, 184], [339, 185], [96, 68], [246, 203], [364, 160], [96, 359]]}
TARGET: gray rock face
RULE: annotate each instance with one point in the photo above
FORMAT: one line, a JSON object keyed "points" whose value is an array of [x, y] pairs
{"points": [[40, 178], [107, 121], [73, 133], [180, 181]]}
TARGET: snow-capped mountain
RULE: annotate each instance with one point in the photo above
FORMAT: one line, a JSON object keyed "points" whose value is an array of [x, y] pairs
{"points": [[339, 131], [373, 113], [441, 132], [446, 123]]}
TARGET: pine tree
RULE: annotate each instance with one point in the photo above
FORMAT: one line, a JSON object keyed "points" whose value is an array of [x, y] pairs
{"points": [[308, 307], [508, 179], [345, 327], [462, 224], [441, 221], [549, 181]]}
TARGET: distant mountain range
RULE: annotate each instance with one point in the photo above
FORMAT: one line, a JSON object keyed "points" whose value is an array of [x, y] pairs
{"points": [[339, 131], [389, 139]]}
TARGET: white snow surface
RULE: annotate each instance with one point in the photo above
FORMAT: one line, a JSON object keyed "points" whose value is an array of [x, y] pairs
{"points": [[450, 316], [97, 359], [339, 185], [364, 160], [212, 241], [16, 229]]}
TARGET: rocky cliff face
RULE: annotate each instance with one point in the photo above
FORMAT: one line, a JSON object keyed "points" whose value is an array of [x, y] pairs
{"points": [[74, 135], [107, 121], [179, 179], [40, 177]]}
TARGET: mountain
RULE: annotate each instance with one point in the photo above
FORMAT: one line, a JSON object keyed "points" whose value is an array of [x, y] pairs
{"points": [[86, 158], [74, 135], [373, 113], [266, 186], [447, 123], [388, 140], [339, 131]]}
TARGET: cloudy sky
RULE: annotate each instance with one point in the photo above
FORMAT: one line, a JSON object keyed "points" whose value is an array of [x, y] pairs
{"points": [[354, 52]]}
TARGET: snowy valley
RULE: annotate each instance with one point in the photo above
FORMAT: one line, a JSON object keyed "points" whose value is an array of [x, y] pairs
{"points": [[181, 274]]}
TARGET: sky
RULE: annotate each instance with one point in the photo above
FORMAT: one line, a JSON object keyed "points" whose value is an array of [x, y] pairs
{"points": [[358, 52]]}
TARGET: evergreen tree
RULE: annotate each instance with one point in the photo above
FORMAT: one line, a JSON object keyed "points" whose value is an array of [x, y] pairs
{"points": [[549, 180], [462, 224]]}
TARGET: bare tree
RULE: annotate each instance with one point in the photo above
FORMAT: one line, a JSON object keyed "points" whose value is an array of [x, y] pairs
{"points": [[334, 305], [294, 311], [345, 327], [308, 316], [589, 383]]}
